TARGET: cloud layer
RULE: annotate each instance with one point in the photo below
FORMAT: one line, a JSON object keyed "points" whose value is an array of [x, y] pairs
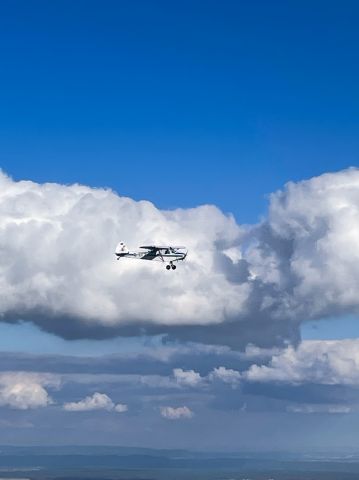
{"points": [[240, 284], [225, 391], [315, 372]]}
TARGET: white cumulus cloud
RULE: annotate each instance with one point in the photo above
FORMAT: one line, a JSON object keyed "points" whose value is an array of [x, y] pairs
{"points": [[329, 362], [57, 260], [173, 413], [187, 378], [240, 285], [97, 401], [226, 375], [121, 408], [23, 390]]}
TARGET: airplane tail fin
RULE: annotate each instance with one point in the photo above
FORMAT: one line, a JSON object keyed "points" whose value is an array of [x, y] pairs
{"points": [[121, 249]]}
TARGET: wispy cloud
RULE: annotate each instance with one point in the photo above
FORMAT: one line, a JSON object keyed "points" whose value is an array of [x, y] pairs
{"points": [[176, 413], [319, 408]]}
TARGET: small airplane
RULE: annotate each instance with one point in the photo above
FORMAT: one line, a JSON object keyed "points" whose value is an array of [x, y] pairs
{"points": [[167, 254]]}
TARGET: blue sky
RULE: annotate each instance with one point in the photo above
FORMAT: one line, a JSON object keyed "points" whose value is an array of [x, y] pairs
{"points": [[239, 97], [180, 104]]}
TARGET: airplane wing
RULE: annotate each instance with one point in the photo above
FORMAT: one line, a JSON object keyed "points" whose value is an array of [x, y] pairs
{"points": [[160, 247]]}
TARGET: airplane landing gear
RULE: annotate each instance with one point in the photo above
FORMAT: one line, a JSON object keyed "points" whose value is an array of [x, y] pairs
{"points": [[168, 267]]}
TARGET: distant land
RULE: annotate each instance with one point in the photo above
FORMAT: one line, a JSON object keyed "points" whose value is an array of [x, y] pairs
{"points": [[129, 463]]}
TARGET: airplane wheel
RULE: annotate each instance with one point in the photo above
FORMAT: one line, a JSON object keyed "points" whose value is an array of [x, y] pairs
{"points": [[174, 267], [168, 267]]}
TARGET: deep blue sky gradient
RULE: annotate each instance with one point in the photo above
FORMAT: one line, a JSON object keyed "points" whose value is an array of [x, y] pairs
{"points": [[180, 103]]}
